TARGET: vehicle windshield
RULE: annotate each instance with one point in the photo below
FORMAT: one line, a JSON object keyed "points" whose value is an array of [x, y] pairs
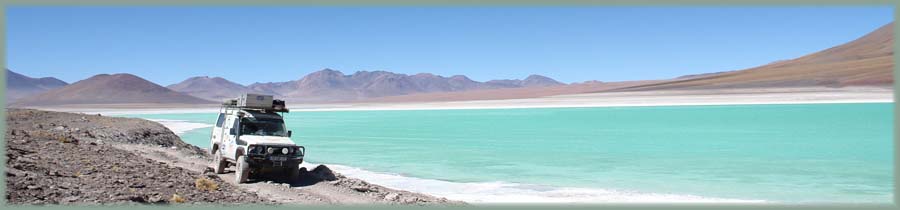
{"points": [[263, 127]]}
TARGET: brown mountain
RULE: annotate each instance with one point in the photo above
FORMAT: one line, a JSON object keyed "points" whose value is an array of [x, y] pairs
{"points": [[866, 61], [110, 89], [18, 85], [331, 86], [212, 88]]}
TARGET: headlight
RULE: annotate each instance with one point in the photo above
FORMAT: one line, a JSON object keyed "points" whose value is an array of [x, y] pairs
{"points": [[270, 150], [284, 151], [252, 149]]}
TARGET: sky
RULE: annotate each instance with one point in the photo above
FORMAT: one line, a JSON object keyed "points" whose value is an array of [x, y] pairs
{"points": [[271, 44]]}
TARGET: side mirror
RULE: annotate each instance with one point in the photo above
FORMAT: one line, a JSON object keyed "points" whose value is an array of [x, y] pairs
{"points": [[232, 131], [289, 133]]}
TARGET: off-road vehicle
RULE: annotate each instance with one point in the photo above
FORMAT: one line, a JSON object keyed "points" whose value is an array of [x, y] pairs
{"points": [[250, 134]]}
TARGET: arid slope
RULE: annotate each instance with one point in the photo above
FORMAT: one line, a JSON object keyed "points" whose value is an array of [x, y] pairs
{"points": [[867, 61]]}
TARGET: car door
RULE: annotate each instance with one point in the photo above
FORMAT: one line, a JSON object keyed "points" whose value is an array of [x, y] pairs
{"points": [[229, 138], [216, 135]]}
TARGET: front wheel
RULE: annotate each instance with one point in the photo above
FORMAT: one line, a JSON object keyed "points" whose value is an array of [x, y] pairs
{"points": [[220, 162], [243, 170], [292, 173]]}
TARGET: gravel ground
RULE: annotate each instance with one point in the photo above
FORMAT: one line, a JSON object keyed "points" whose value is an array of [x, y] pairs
{"points": [[51, 161], [68, 158]]}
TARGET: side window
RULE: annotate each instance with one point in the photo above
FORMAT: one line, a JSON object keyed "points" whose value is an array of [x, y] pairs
{"points": [[221, 120]]}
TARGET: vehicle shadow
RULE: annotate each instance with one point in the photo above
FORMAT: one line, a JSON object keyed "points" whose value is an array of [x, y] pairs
{"points": [[305, 178]]}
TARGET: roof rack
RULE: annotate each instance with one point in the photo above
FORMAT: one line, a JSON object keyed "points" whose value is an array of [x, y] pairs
{"points": [[249, 101]]}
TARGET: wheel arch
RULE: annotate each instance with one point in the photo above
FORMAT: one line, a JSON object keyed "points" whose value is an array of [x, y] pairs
{"points": [[214, 148], [239, 152]]}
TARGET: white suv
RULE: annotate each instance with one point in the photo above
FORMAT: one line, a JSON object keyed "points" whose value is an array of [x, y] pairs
{"points": [[252, 136]]}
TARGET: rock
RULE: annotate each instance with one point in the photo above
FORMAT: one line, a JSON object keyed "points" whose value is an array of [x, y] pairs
{"points": [[71, 199], [208, 170], [360, 188], [324, 173], [410, 199], [392, 196], [139, 199], [156, 199]]}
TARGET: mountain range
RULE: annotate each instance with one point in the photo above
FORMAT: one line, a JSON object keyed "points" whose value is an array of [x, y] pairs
{"points": [[212, 88], [330, 86], [18, 85], [110, 89], [866, 61]]}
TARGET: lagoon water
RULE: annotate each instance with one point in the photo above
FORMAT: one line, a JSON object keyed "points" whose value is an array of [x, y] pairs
{"points": [[735, 153]]}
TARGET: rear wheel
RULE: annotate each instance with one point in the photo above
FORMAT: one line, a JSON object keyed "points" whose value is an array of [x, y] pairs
{"points": [[243, 170], [220, 162]]}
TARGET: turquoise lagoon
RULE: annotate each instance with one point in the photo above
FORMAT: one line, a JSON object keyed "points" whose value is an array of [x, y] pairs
{"points": [[735, 153]]}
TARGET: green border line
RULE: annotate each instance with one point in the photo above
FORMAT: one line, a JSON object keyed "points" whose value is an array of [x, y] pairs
{"points": [[896, 144]]}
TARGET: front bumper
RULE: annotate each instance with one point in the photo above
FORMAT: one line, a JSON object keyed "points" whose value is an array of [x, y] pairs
{"points": [[273, 161], [261, 158]]}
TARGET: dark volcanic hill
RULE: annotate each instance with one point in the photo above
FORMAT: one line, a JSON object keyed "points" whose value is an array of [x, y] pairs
{"points": [[331, 86], [18, 85], [110, 89], [213, 88], [866, 61]]}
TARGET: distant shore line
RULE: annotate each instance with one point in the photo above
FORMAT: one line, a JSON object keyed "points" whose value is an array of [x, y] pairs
{"points": [[128, 111]]}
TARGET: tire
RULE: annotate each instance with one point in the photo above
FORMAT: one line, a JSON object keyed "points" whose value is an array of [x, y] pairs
{"points": [[243, 170], [220, 162], [292, 173]]}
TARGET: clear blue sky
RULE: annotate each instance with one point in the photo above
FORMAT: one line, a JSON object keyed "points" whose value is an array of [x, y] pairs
{"points": [[266, 44]]}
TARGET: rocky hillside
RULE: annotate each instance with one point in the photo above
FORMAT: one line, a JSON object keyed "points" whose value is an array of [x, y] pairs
{"points": [[18, 85], [65, 158], [110, 89]]}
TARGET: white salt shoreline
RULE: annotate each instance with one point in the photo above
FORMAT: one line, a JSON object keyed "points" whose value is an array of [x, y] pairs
{"points": [[641, 99], [180, 126]]}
